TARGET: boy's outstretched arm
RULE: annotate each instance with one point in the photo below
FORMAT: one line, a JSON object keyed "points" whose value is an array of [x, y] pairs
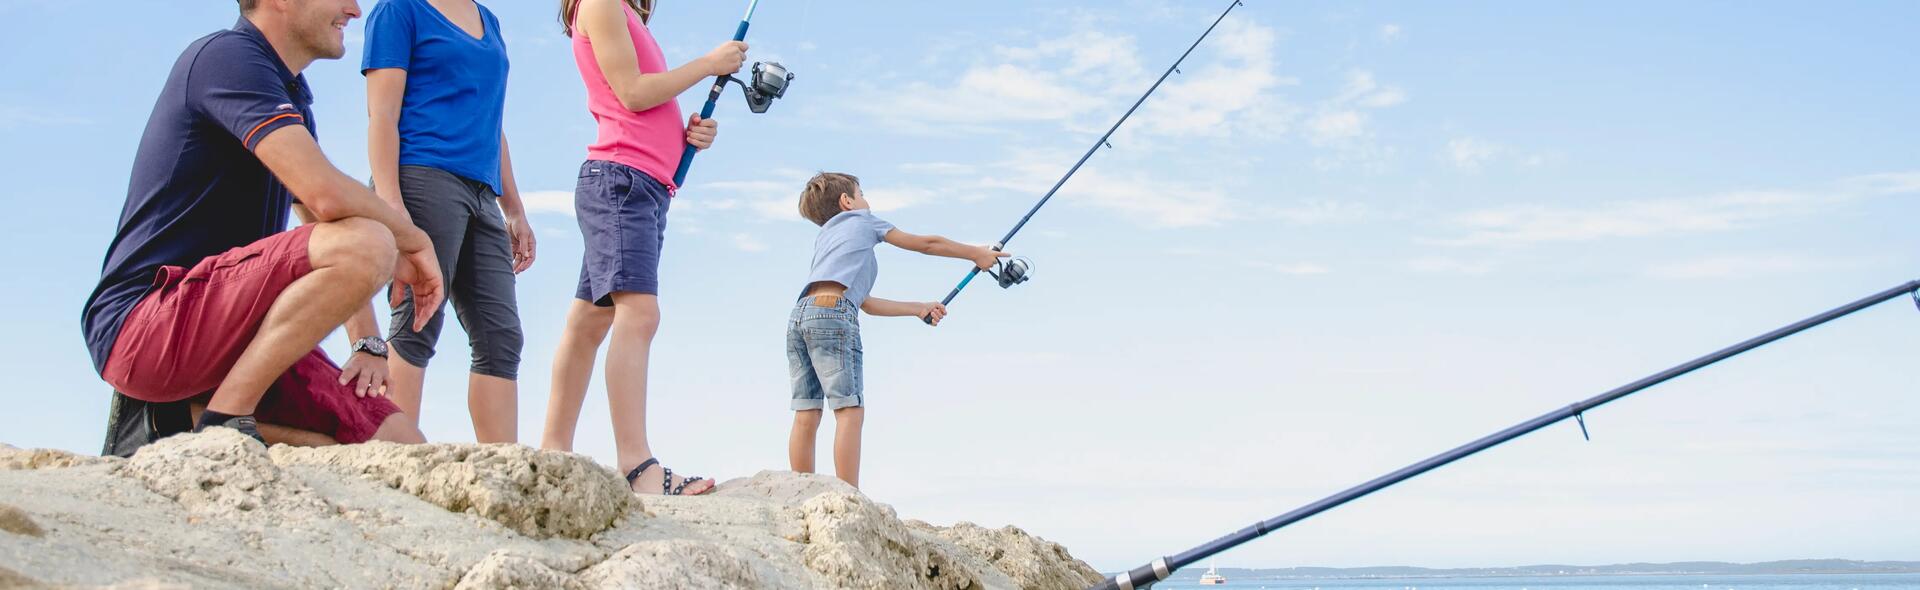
{"points": [[981, 256], [876, 306]]}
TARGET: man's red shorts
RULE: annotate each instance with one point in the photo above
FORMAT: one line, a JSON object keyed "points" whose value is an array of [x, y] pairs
{"points": [[182, 339]]}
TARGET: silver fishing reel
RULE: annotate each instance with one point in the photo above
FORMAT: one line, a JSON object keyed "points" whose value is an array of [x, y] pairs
{"points": [[1012, 272], [767, 82]]}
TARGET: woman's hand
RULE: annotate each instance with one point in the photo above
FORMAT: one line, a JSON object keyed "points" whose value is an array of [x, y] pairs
{"points": [[520, 238]]}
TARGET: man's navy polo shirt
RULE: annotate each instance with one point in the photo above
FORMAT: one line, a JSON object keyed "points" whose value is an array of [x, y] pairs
{"points": [[197, 190]]}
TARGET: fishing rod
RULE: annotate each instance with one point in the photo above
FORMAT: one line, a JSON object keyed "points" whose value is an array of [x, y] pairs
{"points": [[767, 81], [1018, 270], [1146, 575]]}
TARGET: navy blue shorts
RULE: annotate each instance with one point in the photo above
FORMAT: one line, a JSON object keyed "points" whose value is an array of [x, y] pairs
{"points": [[623, 219]]}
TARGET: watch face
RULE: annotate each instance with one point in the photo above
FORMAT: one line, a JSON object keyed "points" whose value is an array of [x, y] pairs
{"points": [[374, 345]]}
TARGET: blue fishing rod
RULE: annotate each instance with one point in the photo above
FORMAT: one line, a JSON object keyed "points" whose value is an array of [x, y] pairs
{"points": [[768, 81], [1016, 271], [1160, 569]]}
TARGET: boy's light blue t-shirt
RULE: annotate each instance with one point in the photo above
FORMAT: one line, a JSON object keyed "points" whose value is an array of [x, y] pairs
{"points": [[844, 253]]}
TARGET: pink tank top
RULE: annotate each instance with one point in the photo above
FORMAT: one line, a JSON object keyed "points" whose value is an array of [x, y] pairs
{"points": [[650, 141]]}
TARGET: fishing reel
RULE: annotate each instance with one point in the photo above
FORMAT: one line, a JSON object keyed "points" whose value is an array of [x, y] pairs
{"points": [[1012, 271], [767, 81]]}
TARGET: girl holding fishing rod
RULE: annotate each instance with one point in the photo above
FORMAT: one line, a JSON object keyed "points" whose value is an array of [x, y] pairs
{"points": [[621, 202]]}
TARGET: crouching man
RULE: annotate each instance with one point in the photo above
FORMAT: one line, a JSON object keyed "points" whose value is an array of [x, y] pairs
{"points": [[205, 297]]}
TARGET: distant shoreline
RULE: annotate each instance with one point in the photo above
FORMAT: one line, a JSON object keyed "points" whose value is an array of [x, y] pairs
{"points": [[1585, 575], [1685, 568]]}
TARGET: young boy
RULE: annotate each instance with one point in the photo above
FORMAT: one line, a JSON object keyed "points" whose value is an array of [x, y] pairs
{"points": [[823, 334]]}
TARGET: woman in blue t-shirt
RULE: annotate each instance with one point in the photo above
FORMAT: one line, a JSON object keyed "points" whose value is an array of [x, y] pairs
{"points": [[436, 93]]}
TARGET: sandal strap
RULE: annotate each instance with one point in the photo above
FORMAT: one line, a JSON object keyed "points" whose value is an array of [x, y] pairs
{"points": [[635, 474], [666, 483]]}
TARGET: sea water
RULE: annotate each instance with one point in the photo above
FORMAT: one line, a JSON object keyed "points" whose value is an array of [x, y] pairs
{"points": [[1699, 582]]}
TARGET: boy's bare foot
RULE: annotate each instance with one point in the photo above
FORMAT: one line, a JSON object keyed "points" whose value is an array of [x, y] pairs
{"points": [[646, 480]]}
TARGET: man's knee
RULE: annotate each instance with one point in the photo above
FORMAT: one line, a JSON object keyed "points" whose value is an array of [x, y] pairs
{"points": [[355, 244], [400, 428]]}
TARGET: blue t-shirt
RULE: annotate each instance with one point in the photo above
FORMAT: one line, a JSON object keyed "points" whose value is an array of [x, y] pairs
{"points": [[456, 94], [844, 253], [197, 190]]}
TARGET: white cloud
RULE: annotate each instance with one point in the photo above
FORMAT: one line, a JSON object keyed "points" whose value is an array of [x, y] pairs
{"points": [[16, 116], [1391, 32], [1337, 126], [1316, 212], [1342, 121], [1467, 153], [1534, 223], [1080, 81], [1238, 91], [939, 168], [1885, 184], [1052, 80], [748, 243], [1528, 224], [1139, 197], [1442, 265], [1744, 266], [1470, 154], [1364, 90], [1289, 268], [559, 202]]}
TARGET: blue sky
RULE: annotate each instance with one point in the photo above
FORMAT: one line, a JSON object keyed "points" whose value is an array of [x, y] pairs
{"points": [[1347, 237]]}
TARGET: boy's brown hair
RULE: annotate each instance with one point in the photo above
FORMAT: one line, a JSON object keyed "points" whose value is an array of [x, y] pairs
{"points": [[820, 201]]}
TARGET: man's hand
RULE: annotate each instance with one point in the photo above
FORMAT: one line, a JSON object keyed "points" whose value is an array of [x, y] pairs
{"points": [[418, 272], [985, 257], [520, 238], [932, 311], [726, 59], [701, 132], [370, 370]]}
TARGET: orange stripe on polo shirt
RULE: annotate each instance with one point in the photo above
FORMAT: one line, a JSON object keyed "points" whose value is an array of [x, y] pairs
{"points": [[263, 124]]}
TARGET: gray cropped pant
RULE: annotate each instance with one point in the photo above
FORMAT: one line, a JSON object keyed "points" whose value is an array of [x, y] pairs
{"points": [[476, 263]]}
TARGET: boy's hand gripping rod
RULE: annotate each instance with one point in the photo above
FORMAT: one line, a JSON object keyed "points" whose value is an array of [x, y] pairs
{"points": [[713, 98], [998, 246], [1147, 575]]}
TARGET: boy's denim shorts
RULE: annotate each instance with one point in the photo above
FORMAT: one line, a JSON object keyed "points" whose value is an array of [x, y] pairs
{"points": [[824, 355], [623, 219]]}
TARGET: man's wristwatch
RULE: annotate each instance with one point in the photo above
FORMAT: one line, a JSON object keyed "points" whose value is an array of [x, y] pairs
{"points": [[371, 345]]}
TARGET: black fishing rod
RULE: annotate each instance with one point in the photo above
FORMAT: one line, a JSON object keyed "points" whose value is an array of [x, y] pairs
{"points": [[1015, 271], [1146, 575]]}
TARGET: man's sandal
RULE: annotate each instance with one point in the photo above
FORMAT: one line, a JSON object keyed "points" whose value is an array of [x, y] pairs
{"points": [[666, 480]]}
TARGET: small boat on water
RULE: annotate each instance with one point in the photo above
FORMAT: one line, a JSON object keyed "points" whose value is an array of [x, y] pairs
{"points": [[1212, 577]]}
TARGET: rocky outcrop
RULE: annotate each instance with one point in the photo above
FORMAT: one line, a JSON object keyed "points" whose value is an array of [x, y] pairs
{"points": [[217, 510]]}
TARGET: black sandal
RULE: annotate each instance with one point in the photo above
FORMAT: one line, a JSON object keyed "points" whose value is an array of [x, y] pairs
{"points": [[666, 480]]}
